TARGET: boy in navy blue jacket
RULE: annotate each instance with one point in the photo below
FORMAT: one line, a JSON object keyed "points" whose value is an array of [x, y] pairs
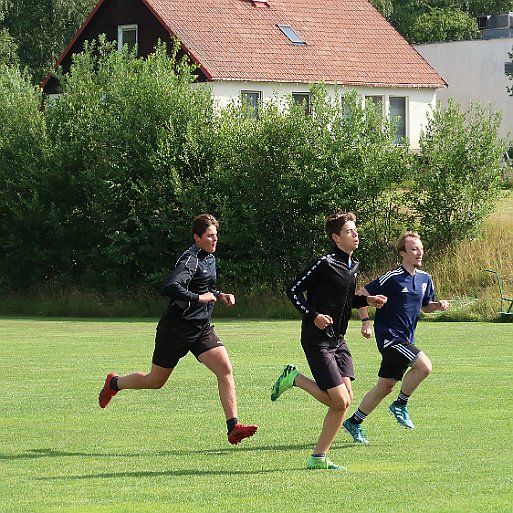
{"points": [[409, 290]]}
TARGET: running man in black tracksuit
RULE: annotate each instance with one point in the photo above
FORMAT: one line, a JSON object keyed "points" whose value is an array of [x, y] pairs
{"points": [[192, 289], [330, 285]]}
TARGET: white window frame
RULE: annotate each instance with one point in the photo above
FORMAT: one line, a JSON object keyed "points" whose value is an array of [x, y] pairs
{"points": [[121, 31]]}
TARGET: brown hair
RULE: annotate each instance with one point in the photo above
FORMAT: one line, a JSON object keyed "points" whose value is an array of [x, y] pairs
{"points": [[401, 242], [335, 222], [200, 224]]}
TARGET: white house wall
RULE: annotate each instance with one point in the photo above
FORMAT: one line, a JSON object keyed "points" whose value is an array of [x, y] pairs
{"points": [[474, 71], [418, 105]]}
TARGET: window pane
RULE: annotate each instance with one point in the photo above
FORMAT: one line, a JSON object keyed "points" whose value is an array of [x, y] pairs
{"points": [[398, 115], [377, 101], [293, 36], [251, 99], [303, 99], [127, 35]]}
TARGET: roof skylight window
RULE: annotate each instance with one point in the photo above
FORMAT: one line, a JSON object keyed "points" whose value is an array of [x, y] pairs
{"points": [[293, 36]]}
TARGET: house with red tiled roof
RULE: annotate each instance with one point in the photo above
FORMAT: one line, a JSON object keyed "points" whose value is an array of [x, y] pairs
{"points": [[262, 49]]}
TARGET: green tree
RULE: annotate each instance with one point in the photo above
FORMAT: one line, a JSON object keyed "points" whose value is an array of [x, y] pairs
{"points": [[281, 174], [423, 21], [479, 7], [25, 217], [8, 48], [126, 137], [385, 7], [41, 30], [458, 173]]}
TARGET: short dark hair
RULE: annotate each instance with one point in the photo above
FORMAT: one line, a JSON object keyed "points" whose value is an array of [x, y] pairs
{"points": [[200, 224], [335, 222], [401, 242]]}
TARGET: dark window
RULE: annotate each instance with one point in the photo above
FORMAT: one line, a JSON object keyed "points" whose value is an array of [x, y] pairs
{"points": [[127, 35], [303, 99], [508, 68]]}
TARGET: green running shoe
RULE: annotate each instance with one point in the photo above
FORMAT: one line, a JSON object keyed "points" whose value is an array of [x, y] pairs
{"points": [[285, 381], [400, 412], [356, 431], [315, 462]]}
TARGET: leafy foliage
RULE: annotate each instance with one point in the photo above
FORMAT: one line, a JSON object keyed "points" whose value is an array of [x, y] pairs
{"points": [[41, 29], [24, 218], [423, 21], [458, 173], [98, 189], [124, 150]]}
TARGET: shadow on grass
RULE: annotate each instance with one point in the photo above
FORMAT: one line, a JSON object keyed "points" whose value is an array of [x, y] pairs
{"points": [[178, 473], [51, 453]]}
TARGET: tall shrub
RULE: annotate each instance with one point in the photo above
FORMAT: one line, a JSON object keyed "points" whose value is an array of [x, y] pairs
{"points": [[458, 172], [122, 133], [26, 218], [283, 172]]}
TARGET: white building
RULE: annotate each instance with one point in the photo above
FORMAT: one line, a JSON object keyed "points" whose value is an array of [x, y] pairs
{"points": [[476, 70], [259, 49]]}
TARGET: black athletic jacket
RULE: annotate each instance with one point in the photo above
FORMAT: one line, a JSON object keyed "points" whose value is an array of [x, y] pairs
{"points": [[330, 287], [194, 274]]}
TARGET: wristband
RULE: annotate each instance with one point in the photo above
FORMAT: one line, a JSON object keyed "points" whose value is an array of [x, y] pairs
{"points": [[365, 319]]}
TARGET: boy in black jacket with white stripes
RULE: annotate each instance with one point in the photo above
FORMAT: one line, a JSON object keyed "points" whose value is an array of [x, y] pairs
{"points": [[329, 284]]}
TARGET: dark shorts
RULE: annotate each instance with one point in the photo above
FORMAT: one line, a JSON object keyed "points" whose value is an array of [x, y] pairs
{"points": [[329, 364], [175, 338], [396, 359]]}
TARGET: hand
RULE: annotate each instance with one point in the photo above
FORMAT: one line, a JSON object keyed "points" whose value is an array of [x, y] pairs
{"points": [[227, 299], [323, 321], [443, 304], [376, 301], [208, 297], [366, 330]]}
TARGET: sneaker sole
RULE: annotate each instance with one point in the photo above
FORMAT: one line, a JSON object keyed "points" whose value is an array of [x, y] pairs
{"points": [[277, 394]]}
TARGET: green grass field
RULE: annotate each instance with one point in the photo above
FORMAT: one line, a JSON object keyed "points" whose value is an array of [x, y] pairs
{"points": [[166, 450]]}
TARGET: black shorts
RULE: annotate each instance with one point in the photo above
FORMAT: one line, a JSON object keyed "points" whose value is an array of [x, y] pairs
{"points": [[396, 359], [329, 364], [175, 338]]}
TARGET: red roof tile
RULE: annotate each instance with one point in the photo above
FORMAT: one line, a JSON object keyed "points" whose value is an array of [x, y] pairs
{"points": [[347, 42]]}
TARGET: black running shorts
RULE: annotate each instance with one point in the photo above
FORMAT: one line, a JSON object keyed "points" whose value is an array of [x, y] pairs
{"points": [[176, 337], [329, 364], [396, 359]]}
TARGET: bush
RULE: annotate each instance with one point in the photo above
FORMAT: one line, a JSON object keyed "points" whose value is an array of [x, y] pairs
{"points": [[98, 190], [25, 216], [457, 174]]}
